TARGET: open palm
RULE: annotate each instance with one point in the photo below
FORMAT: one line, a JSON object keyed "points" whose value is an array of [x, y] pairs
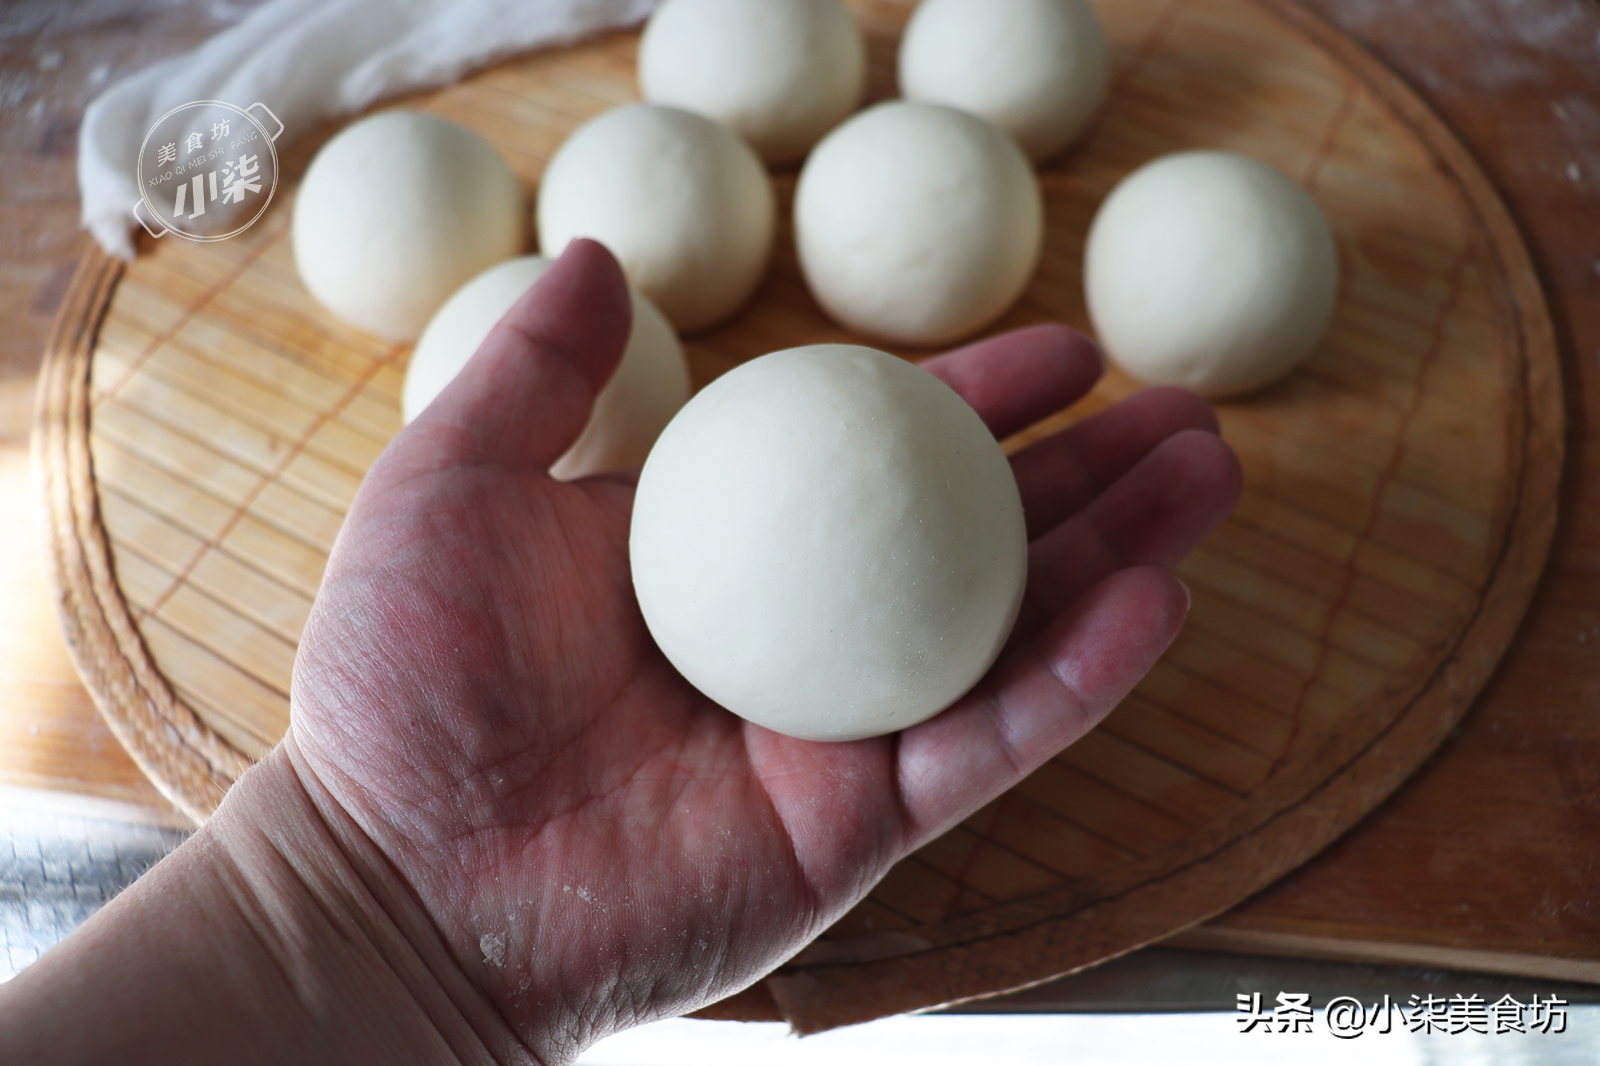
{"points": [[598, 843]]}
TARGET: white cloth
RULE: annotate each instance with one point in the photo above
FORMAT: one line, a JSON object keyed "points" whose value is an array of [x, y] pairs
{"points": [[309, 60]]}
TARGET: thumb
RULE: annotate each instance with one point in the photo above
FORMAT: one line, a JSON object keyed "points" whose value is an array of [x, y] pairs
{"points": [[525, 395]]}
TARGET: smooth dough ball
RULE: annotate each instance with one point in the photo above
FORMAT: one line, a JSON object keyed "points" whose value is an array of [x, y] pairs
{"points": [[1211, 271], [395, 212], [917, 223], [683, 204], [828, 542], [779, 73], [647, 389], [1035, 68]]}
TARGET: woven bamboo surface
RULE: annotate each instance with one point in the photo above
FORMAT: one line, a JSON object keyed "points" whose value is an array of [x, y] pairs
{"points": [[204, 424]]}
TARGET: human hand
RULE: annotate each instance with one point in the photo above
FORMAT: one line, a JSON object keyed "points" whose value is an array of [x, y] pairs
{"points": [[598, 844]]}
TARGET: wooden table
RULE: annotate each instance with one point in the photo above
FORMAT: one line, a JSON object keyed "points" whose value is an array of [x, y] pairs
{"points": [[1484, 860]]}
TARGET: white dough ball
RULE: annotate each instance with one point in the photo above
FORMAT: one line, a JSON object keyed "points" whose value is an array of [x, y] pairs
{"points": [[683, 204], [780, 73], [1035, 68], [828, 542], [917, 223], [646, 390], [1211, 271], [395, 212]]}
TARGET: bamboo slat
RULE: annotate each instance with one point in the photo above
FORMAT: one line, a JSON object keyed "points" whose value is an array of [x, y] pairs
{"points": [[204, 425]]}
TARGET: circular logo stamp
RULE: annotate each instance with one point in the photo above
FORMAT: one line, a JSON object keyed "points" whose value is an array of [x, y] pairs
{"points": [[207, 169]]}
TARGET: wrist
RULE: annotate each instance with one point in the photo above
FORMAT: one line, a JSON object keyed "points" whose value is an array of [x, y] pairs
{"points": [[345, 932], [273, 935]]}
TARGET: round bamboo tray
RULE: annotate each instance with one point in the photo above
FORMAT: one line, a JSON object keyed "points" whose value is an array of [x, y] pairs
{"points": [[203, 425]]}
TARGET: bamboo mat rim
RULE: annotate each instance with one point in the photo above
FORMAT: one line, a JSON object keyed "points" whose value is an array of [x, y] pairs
{"points": [[143, 711]]}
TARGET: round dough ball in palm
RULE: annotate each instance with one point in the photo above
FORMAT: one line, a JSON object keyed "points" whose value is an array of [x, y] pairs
{"points": [[683, 204], [1035, 68], [829, 542], [646, 390], [917, 223], [1209, 270], [780, 73], [396, 212]]}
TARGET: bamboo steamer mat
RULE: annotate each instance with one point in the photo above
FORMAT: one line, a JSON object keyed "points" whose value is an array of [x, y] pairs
{"points": [[203, 425]]}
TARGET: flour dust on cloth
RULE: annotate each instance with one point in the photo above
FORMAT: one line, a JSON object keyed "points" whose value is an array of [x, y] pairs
{"points": [[309, 60]]}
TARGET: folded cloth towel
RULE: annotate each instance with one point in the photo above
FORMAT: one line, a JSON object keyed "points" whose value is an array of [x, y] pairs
{"points": [[308, 60]]}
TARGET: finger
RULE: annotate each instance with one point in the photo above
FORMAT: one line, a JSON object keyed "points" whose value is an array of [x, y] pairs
{"points": [[1059, 475], [1039, 698], [1014, 379], [524, 397], [1153, 515]]}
